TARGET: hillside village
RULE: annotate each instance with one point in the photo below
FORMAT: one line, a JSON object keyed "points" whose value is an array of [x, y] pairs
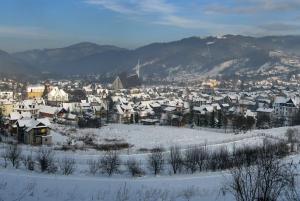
{"points": [[29, 110], [140, 100]]}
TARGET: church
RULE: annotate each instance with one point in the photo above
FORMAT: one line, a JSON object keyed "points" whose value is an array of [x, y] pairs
{"points": [[125, 81]]}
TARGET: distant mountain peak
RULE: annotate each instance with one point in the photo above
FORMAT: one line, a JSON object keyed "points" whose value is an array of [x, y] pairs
{"points": [[83, 44], [92, 45], [3, 52]]}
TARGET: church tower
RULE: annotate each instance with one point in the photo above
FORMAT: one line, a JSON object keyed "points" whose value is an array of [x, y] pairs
{"points": [[137, 68]]}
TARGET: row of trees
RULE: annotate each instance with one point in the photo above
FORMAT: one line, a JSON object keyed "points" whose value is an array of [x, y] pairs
{"points": [[191, 160], [257, 173], [43, 159], [239, 123]]}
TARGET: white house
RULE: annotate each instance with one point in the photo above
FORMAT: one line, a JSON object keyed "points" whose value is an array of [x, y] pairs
{"points": [[57, 95]]}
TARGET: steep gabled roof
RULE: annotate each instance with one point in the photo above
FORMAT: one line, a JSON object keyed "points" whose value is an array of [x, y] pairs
{"points": [[129, 81]]}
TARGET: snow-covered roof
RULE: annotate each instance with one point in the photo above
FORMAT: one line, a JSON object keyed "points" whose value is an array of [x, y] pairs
{"points": [[155, 104], [280, 99], [249, 113], [57, 94], [45, 121], [35, 88], [203, 108], [49, 109], [169, 109], [15, 116], [266, 110], [119, 109], [216, 105]]}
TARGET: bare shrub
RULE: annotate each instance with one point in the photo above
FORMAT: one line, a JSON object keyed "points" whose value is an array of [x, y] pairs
{"points": [[156, 160], [175, 159], [13, 154], [5, 159], [268, 180], [219, 159], [134, 167], [28, 162], [202, 156], [191, 159], [45, 158], [244, 156], [67, 166], [93, 166], [293, 137], [112, 146], [110, 162]]}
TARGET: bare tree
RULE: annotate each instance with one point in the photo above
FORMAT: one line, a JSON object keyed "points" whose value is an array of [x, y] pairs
{"points": [[191, 159], [202, 156], [28, 162], [93, 166], [13, 154], [110, 162], [5, 158], [156, 160], [268, 180], [45, 158], [175, 159], [219, 159], [293, 137], [67, 166], [134, 167]]}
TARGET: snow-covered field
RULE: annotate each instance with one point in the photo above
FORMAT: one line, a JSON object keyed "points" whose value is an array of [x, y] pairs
{"points": [[32, 186], [148, 137], [16, 185]]}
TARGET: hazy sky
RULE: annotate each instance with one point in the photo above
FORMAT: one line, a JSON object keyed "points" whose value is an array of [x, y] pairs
{"points": [[27, 24]]}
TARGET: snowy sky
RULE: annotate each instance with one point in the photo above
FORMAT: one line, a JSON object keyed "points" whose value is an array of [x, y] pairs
{"points": [[27, 24]]}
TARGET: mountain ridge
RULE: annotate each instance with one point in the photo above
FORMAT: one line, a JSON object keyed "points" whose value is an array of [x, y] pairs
{"points": [[193, 55]]}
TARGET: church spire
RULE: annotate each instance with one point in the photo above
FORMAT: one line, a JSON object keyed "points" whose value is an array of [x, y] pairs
{"points": [[138, 68]]}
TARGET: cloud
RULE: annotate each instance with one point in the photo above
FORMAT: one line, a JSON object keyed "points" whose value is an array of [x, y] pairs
{"points": [[279, 27], [138, 7], [115, 6], [22, 31], [182, 22], [254, 6], [164, 12]]}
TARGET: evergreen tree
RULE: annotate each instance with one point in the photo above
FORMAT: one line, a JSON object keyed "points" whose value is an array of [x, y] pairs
{"points": [[1, 120], [225, 122], [249, 122], [220, 118], [191, 118], [296, 119], [263, 121], [212, 119], [131, 119], [136, 118]]}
